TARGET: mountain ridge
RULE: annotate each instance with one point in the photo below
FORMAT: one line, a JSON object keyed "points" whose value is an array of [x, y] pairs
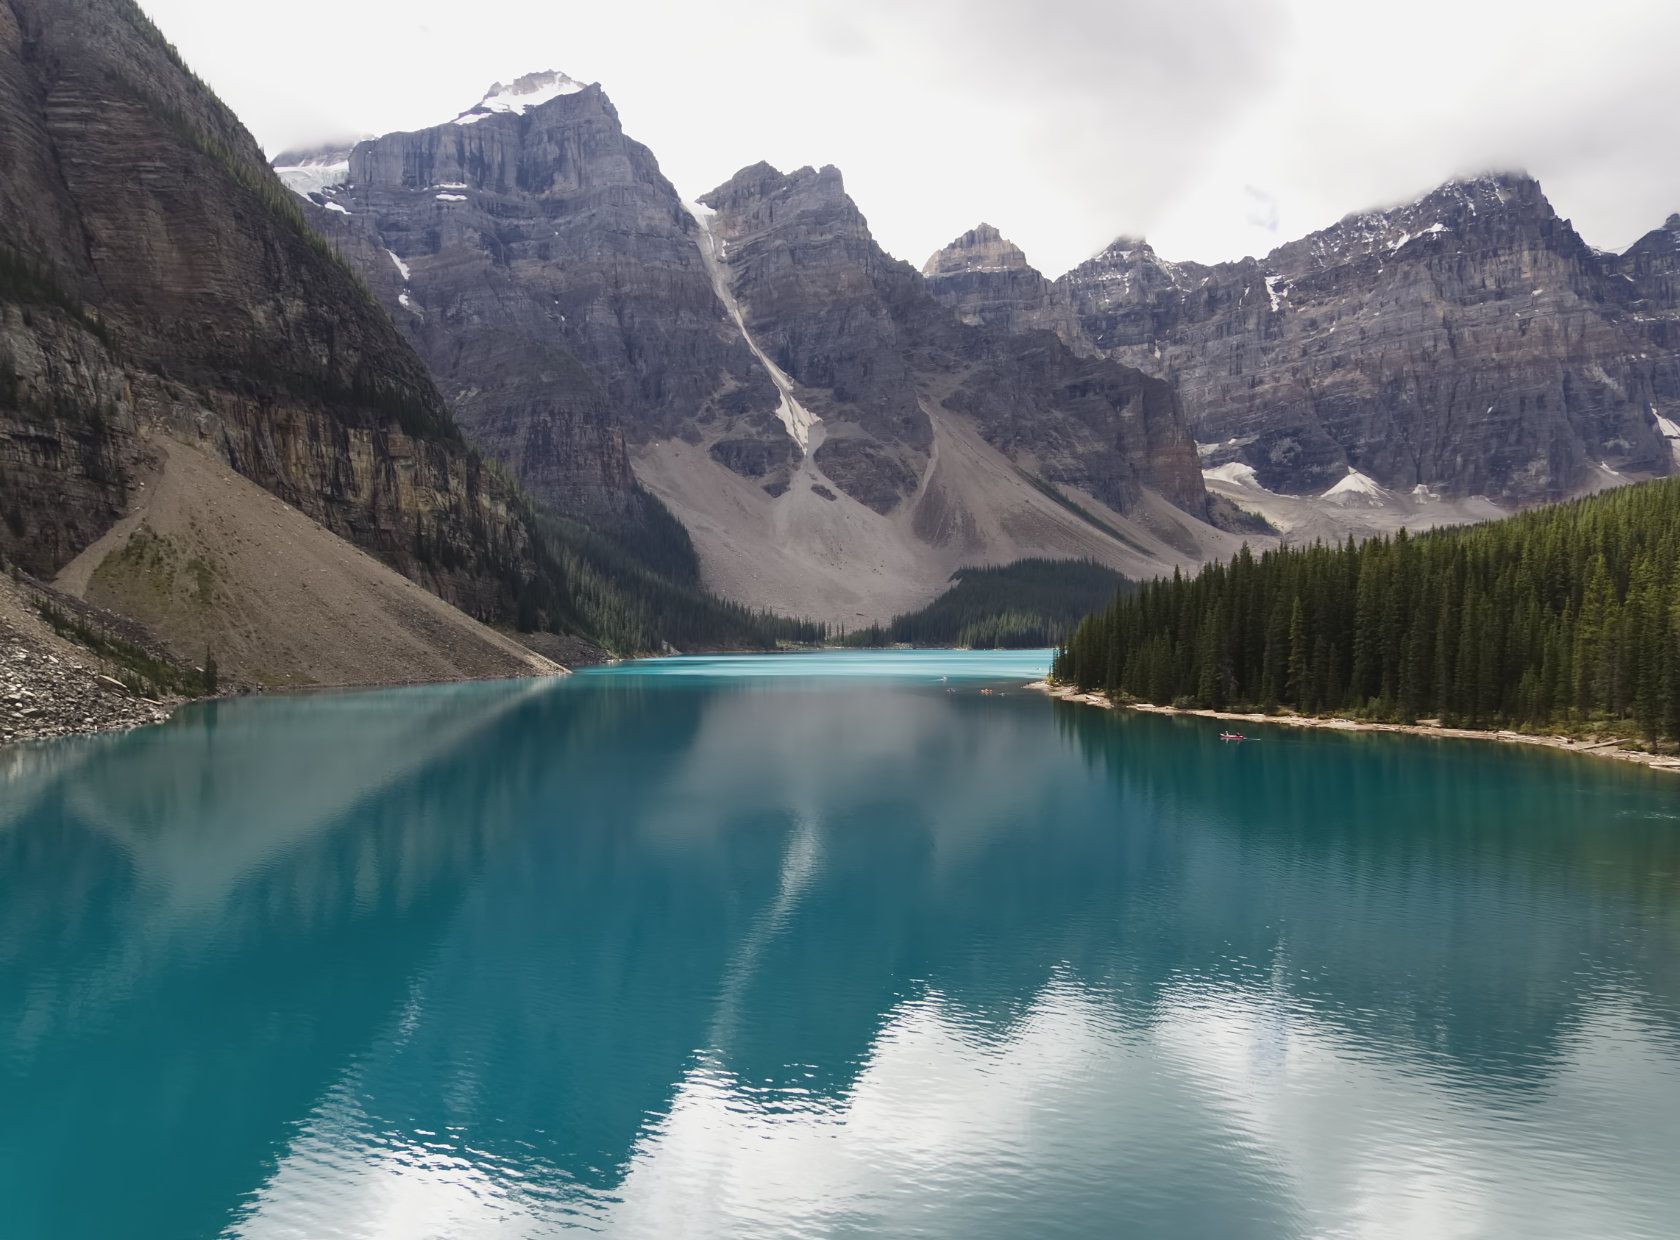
{"points": [[713, 329], [1430, 362], [1575, 383]]}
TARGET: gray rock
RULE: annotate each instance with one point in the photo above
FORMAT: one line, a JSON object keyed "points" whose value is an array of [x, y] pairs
{"points": [[559, 289], [866, 340], [987, 280], [549, 275], [172, 279], [1469, 342]]}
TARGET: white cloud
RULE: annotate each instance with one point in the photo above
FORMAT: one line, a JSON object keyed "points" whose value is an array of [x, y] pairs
{"points": [[1065, 122], [1072, 1099]]}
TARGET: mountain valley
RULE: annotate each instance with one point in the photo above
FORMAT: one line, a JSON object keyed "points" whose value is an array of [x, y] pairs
{"points": [[503, 358]]}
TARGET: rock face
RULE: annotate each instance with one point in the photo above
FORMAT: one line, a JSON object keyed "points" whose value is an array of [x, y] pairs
{"points": [[550, 277], [774, 376], [1652, 266], [987, 280], [1651, 270], [819, 297], [1469, 343], [874, 353], [156, 274]]}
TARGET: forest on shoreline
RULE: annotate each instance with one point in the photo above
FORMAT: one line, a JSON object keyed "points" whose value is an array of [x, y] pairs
{"points": [[1564, 618]]}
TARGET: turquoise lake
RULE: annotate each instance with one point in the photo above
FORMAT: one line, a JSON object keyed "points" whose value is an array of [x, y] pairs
{"points": [[827, 945]]}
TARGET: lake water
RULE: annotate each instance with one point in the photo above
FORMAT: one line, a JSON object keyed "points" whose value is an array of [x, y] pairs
{"points": [[831, 945]]}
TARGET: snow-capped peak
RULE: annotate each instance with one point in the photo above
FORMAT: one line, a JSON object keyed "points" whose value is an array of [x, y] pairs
{"points": [[521, 95]]}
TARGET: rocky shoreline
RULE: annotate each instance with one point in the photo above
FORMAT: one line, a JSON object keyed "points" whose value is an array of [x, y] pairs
{"points": [[1614, 748], [47, 693], [69, 668]]}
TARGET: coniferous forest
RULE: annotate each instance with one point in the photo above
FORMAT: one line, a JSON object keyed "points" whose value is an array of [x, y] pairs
{"points": [[1564, 618]]}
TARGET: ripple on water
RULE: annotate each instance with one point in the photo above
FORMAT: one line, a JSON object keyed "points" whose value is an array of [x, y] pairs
{"points": [[827, 946]]}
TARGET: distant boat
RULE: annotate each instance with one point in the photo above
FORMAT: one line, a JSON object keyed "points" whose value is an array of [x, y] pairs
{"points": [[1232, 736]]}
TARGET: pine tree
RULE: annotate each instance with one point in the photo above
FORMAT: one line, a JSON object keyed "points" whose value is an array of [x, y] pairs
{"points": [[1562, 616], [1295, 685]]}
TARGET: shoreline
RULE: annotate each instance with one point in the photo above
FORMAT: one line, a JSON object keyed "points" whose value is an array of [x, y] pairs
{"points": [[154, 712], [1613, 749]]}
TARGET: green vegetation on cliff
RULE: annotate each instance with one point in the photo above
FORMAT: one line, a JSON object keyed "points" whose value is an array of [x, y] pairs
{"points": [[1565, 617], [637, 590]]}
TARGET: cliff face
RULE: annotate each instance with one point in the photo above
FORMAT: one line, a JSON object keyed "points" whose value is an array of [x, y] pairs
{"points": [[1652, 266], [834, 313], [1469, 343], [550, 277], [1651, 270], [876, 353], [159, 275], [986, 279], [774, 376], [573, 308]]}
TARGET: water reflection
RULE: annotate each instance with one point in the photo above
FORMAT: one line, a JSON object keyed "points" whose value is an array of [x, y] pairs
{"points": [[696, 955]]}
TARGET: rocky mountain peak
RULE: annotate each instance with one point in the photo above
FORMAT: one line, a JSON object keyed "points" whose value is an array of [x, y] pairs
{"points": [[1650, 270], [986, 279], [1467, 341], [1494, 193], [1125, 272], [1123, 254], [762, 180], [523, 246], [761, 197], [522, 94], [1480, 205], [1124, 248], [980, 249]]}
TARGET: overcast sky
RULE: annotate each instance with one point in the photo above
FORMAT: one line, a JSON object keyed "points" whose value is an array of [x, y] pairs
{"points": [[1216, 128]]}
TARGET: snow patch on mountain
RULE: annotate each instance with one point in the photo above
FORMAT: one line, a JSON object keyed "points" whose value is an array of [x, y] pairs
{"points": [[1357, 489], [313, 176], [1235, 473], [798, 420], [1669, 430], [521, 95]]}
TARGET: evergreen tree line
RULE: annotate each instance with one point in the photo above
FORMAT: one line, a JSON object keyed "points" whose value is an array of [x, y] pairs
{"points": [[632, 589], [1019, 606], [599, 587], [1565, 618]]}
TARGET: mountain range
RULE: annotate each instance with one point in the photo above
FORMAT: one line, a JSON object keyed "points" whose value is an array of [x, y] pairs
{"points": [[1468, 344], [211, 428], [835, 441], [495, 376], [837, 431]]}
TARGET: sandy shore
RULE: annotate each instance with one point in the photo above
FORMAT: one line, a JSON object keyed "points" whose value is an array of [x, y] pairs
{"points": [[1598, 749]]}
